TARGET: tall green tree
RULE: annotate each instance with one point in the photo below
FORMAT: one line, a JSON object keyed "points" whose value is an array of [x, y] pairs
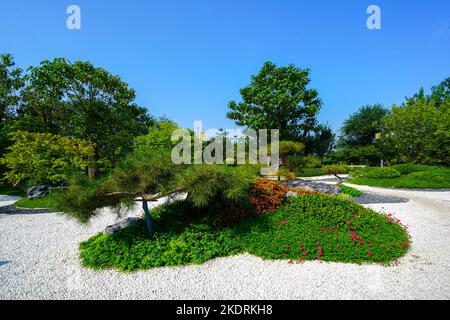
{"points": [[86, 102], [360, 128], [419, 132], [277, 98], [321, 141], [11, 82]]}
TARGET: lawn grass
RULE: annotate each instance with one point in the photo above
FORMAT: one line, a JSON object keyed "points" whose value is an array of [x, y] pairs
{"points": [[309, 227], [48, 202], [430, 178]]}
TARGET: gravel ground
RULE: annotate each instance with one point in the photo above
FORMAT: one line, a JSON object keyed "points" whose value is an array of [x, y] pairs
{"points": [[39, 260]]}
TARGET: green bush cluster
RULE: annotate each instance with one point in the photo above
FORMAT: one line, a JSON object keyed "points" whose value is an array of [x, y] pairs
{"points": [[351, 191], [407, 168], [344, 231], [383, 173]]}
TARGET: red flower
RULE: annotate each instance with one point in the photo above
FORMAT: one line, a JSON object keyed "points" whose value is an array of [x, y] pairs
{"points": [[287, 246], [369, 254], [318, 259], [317, 242], [305, 253], [330, 229]]}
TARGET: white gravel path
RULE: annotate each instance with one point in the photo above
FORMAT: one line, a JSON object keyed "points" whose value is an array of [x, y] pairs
{"points": [[39, 260]]}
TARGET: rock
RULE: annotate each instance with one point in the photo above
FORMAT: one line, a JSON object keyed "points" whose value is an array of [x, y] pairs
{"points": [[37, 192], [313, 186], [121, 225]]}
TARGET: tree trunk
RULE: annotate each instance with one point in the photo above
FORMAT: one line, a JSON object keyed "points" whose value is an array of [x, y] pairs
{"points": [[93, 169], [148, 219]]}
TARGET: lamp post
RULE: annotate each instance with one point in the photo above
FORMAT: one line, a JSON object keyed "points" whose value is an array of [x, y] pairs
{"points": [[378, 137]]}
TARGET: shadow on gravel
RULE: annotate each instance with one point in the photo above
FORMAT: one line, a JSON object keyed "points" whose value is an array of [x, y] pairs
{"points": [[12, 210], [371, 198], [2, 263]]}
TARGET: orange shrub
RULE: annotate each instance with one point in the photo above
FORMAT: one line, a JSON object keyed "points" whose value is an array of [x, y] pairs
{"points": [[267, 195]]}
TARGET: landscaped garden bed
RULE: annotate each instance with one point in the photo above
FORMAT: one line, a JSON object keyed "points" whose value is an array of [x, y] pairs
{"points": [[309, 227]]}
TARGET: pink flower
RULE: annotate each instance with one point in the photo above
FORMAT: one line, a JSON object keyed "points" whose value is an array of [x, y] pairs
{"points": [[305, 253], [318, 259], [317, 242], [369, 254]]}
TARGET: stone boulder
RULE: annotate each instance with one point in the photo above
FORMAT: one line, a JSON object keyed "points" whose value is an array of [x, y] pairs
{"points": [[37, 192], [121, 225], [313, 186]]}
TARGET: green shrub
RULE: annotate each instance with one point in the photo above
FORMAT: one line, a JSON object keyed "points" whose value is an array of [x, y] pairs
{"points": [[383, 173], [44, 158], [309, 227], [311, 172], [351, 191], [294, 162], [335, 169], [311, 162], [407, 168]]}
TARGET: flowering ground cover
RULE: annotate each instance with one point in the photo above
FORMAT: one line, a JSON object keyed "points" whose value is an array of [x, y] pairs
{"points": [[309, 227]]}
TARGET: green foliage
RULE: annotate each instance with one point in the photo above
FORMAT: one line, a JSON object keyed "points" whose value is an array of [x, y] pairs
{"points": [[82, 101], [146, 171], [351, 191], [360, 128], [307, 228], [419, 132], [407, 168], [367, 155], [298, 163], [11, 82], [321, 142], [310, 172], [288, 148], [383, 173], [276, 98], [44, 158], [10, 191], [431, 178], [335, 169], [158, 136], [221, 193]]}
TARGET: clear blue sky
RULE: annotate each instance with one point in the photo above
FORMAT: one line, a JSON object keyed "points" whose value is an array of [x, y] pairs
{"points": [[187, 59]]}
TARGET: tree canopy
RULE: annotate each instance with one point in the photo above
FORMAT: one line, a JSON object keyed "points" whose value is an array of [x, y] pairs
{"points": [[11, 82], [277, 98], [360, 128], [85, 102]]}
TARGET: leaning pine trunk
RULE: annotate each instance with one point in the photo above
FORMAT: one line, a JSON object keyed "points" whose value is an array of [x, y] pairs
{"points": [[148, 219]]}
